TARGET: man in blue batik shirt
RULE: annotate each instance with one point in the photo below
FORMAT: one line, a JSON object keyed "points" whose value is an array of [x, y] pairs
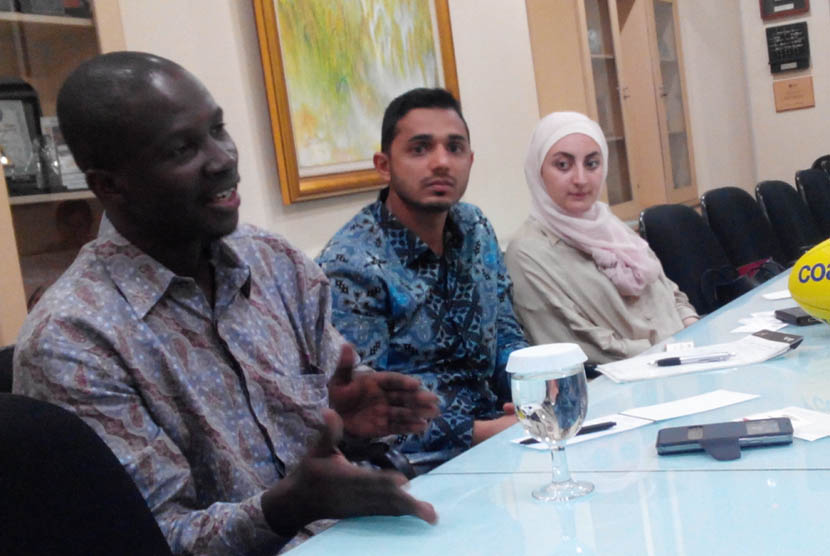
{"points": [[419, 284]]}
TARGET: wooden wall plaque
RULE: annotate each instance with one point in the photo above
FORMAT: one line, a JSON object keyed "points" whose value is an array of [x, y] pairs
{"points": [[792, 94], [771, 9]]}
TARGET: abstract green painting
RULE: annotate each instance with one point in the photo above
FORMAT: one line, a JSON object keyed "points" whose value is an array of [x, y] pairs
{"points": [[344, 61], [331, 67]]}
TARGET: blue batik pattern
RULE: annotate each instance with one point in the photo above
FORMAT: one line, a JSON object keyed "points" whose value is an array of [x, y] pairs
{"points": [[448, 320]]}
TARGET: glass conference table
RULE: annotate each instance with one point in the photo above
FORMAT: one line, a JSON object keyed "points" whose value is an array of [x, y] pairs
{"points": [[772, 500]]}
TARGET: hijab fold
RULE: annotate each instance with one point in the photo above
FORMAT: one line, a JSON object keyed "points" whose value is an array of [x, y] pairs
{"points": [[618, 252]]}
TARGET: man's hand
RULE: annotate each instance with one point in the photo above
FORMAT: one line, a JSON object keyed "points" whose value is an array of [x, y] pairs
{"points": [[326, 485], [482, 430], [376, 404]]}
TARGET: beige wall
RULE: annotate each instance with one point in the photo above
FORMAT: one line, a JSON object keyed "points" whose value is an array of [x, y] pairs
{"points": [[738, 137], [710, 31], [787, 141], [216, 40]]}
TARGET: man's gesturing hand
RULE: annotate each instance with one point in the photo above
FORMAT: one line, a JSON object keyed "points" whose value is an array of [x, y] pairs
{"points": [[326, 485], [376, 404]]}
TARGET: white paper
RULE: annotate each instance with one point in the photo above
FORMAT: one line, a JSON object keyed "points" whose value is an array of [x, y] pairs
{"points": [[689, 406], [780, 294], [807, 424], [752, 326], [677, 347], [762, 320], [624, 423], [746, 351]]}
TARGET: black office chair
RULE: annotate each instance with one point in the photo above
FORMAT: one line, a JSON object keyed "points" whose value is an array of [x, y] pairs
{"points": [[63, 492], [743, 231], [822, 163], [692, 257], [6, 355], [789, 217], [814, 187]]}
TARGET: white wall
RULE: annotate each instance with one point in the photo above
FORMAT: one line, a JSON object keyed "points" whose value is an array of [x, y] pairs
{"points": [[716, 90], [216, 40], [786, 141], [498, 92]]}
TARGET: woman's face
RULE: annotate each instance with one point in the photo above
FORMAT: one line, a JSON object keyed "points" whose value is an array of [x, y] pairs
{"points": [[572, 173]]}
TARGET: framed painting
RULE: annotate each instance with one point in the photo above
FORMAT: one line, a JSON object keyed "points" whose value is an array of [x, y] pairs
{"points": [[330, 70]]}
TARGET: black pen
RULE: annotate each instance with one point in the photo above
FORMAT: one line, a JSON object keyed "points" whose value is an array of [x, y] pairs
{"points": [[690, 359], [587, 429]]}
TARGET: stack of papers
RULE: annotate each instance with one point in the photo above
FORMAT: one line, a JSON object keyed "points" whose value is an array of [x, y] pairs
{"points": [[751, 349], [763, 320], [780, 294], [807, 424]]}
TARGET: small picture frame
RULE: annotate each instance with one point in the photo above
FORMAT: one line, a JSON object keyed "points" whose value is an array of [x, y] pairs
{"points": [[18, 153], [772, 9], [19, 132]]}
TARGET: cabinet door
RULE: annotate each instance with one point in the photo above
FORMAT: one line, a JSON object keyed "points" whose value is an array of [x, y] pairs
{"points": [[610, 95], [12, 302], [671, 105]]}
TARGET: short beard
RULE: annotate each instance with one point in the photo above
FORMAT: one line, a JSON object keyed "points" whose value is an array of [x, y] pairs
{"points": [[433, 207]]}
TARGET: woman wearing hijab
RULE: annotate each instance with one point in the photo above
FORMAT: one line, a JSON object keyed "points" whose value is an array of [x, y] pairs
{"points": [[579, 273]]}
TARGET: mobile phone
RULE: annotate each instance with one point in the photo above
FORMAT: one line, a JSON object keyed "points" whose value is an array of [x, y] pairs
{"points": [[759, 432], [795, 315]]}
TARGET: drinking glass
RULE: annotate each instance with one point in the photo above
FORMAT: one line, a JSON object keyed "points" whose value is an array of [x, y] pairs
{"points": [[550, 394]]}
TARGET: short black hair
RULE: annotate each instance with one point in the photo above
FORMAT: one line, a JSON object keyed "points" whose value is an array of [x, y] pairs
{"points": [[93, 105], [410, 100]]}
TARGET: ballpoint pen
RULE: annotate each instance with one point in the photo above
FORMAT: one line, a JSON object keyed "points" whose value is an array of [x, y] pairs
{"points": [[587, 429], [689, 359]]}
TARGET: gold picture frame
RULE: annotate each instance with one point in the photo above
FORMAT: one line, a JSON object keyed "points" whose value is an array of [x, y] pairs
{"points": [[329, 183]]}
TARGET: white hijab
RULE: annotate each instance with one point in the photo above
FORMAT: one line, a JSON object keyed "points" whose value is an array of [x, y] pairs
{"points": [[618, 252]]}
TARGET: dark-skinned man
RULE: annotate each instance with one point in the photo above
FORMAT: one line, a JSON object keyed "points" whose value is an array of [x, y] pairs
{"points": [[200, 350]]}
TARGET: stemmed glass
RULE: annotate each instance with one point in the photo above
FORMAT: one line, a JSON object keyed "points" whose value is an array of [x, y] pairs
{"points": [[550, 394]]}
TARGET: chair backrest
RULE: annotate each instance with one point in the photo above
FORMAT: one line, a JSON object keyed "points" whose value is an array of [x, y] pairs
{"points": [[740, 226], [63, 492], [6, 356], [691, 256], [822, 163], [814, 186], [789, 217]]}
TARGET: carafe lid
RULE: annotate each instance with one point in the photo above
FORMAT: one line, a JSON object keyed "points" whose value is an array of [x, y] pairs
{"points": [[545, 358]]}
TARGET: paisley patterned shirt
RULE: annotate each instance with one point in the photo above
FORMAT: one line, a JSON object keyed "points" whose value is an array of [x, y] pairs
{"points": [[449, 320], [206, 407]]}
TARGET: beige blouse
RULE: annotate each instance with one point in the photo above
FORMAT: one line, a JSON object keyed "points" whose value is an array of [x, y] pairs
{"points": [[560, 296]]}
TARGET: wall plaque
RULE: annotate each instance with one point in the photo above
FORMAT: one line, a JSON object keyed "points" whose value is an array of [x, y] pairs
{"points": [[780, 8], [788, 47], [792, 94]]}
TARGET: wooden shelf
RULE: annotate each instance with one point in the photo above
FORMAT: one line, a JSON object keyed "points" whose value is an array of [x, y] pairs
{"points": [[46, 19], [602, 56], [51, 197]]}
